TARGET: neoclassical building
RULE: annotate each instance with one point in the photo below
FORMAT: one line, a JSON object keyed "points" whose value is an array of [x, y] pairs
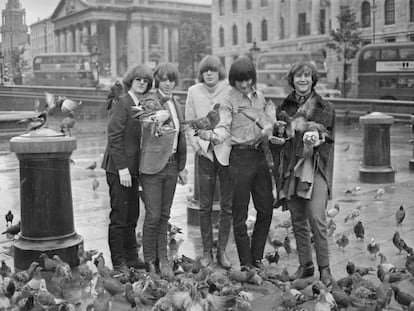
{"points": [[125, 32], [294, 25]]}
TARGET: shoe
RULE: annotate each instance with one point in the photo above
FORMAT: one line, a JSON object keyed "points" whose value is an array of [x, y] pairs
{"points": [[150, 267], [137, 263], [121, 269], [223, 260], [259, 265], [166, 271], [207, 259], [304, 272], [325, 275]]}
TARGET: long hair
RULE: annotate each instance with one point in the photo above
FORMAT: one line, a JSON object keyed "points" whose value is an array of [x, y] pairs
{"points": [[140, 71], [242, 70], [166, 70], [213, 63], [300, 67]]}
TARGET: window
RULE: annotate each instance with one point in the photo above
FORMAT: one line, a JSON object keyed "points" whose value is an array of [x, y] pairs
{"points": [[366, 14], [389, 10], [234, 6], [303, 27], [249, 33], [322, 21], [264, 30], [221, 36], [263, 3], [411, 10], [221, 7], [249, 4], [154, 35], [234, 32], [389, 39]]}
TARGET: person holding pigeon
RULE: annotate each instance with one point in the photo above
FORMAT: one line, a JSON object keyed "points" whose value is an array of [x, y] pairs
{"points": [[307, 166], [163, 159], [121, 163], [203, 103]]}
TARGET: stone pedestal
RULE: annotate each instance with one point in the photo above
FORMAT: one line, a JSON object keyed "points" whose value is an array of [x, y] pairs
{"points": [[47, 224], [376, 165], [193, 207], [411, 163]]}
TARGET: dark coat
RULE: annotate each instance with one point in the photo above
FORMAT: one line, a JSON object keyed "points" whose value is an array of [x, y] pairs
{"points": [[324, 114], [124, 134]]}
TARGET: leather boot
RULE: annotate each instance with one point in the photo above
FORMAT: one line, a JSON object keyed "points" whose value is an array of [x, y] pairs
{"points": [[222, 259], [304, 272], [207, 259]]}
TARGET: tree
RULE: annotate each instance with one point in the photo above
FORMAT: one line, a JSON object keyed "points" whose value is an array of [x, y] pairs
{"points": [[194, 45], [345, 41]]}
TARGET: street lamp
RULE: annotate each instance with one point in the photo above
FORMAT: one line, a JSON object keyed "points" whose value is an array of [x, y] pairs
{"points": [[373, 10], [254, 52]]}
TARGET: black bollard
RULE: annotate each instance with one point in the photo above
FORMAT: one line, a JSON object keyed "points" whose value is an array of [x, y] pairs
{"points": [[411, 163], [376, 166], [47, 224]]}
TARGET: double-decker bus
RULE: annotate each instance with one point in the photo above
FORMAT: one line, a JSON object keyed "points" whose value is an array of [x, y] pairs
{"points": [[272, 67], [64, 69], [386, 71]]}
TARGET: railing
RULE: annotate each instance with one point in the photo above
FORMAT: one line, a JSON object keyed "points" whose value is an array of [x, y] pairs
{"points": [[22, 98]]}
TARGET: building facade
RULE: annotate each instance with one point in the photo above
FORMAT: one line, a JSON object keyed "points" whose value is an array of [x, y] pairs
{"points": [[295, 25], [42, 37], [124, 32], [14, 35]]}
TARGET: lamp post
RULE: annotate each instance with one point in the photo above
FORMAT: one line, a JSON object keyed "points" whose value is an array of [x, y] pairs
{"points": [[373, 10], [1, 68], [254, 52]]}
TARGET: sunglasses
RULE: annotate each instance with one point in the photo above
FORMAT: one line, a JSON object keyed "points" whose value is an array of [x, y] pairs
{"points": [[142, 80]]}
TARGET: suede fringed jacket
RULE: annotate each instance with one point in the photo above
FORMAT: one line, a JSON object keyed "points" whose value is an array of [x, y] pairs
{"points": [[288, 155]]}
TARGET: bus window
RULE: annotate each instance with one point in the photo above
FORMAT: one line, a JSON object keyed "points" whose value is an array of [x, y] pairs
{"points": [[371, 54], [407, 53], [389, 54]]}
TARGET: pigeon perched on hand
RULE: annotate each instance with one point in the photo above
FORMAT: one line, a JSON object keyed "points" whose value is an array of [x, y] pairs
{"points": [[208, 122]]}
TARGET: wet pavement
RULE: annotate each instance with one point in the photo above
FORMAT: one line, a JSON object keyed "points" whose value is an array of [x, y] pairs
{"points": [[91, 209]]}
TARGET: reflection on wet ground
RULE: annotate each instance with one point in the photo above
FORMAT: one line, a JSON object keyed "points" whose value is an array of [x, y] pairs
{"points": [[91, 208]]}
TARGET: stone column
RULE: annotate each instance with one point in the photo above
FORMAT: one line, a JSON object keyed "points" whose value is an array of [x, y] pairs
{"points": [[376, 166], [276, 20], [316, 6], [293, 15], [69, 40], [146, 43], [57, 41], [77, 39], [112, 48], [47, 222], [62, 41], [166, 44], [174, 45], [85, 36], [94, 28]]}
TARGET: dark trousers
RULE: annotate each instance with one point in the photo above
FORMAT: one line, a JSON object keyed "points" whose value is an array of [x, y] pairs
{"points": [[122, 220], [250, 174], [311, 213], [158, 191], [208, 172]]}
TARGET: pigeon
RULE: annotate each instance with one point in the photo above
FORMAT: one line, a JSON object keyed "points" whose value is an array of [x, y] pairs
{"points": [[398, 242], [352, 191], [351, 268], [25, 275], [45, 298], [49, 264], [331, 227], [5, 270], [332, 212], [69, 105], [373, 247], [379, 193], [95, 184], [285, 224], [92, 166], [34, 282], [399, 216], [404, 299], [34, 123], [67, 125], [342, 242], [383, 294], [359, 230], [352, 216], [9, 218], [274, 240], [62, 268], [287, 246], [208, 122], [53, 101], [12, 230], [273, 257], [115, 92], [102, 301], [409, 264]]}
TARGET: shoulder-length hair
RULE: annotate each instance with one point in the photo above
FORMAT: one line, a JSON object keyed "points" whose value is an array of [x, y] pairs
{"points": [[213, 63], [166, 70], [140, 71], [242, 70], [300, 67]]}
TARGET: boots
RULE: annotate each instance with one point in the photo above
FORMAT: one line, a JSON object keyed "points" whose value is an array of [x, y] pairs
{"points": [[222, 259], [304, 272], [325, 275], [207, 259]]}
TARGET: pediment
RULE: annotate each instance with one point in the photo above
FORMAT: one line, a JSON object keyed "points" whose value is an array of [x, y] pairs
{"points": [[68, 7]]}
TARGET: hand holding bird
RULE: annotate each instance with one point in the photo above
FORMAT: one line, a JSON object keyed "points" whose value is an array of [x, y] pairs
{"points": [[206, 123]]}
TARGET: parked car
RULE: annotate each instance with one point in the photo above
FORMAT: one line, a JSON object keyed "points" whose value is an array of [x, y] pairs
{"points": [[324, 91]]}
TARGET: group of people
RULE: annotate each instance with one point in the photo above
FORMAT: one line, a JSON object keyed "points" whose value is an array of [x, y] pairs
{"points": [[291, 167]]}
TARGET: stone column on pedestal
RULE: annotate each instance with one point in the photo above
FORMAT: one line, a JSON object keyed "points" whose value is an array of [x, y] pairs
{"points": [[376, 166], [47, 223]]}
